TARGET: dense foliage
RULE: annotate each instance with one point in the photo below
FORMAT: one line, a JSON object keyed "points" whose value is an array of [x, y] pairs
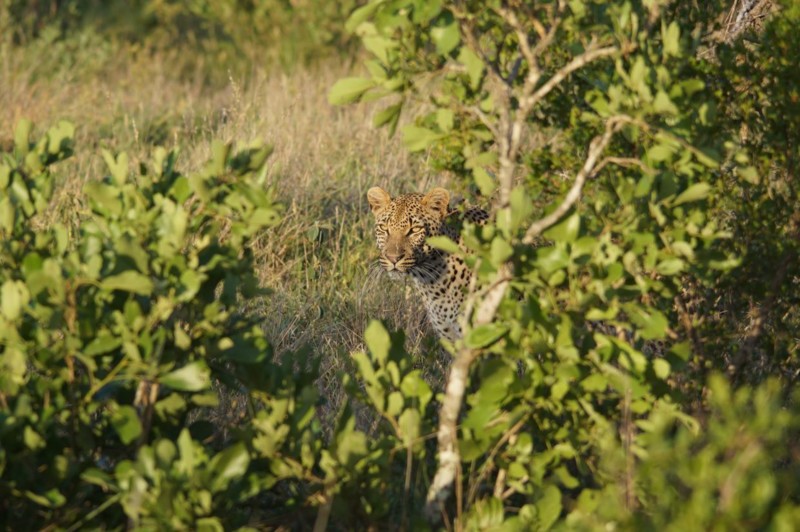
{"points": [[644, 188], [630, 346], [112, 334]]}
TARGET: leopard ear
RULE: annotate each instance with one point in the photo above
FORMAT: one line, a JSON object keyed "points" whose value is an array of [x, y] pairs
{"points": [[378, 199], [437, 201]]}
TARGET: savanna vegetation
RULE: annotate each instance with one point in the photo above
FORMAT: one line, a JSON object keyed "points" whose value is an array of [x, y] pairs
{"points": [[194, 333]]}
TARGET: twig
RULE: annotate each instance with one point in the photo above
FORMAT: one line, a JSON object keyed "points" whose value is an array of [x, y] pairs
{"points": [[577, 63], [596, 148], [624, 161], [509, 144], [510, 433], [323, 514]]}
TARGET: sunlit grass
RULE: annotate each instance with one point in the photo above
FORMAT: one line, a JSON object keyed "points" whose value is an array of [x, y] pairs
{"points": [[319, 263]]}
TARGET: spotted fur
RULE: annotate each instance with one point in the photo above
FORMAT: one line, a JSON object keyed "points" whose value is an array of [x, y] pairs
{"points": [[402, 226]]}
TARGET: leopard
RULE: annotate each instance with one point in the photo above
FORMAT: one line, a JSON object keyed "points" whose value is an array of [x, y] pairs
{"points": [[403, 225]]}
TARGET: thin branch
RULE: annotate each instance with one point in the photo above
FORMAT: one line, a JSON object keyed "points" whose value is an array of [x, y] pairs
{"points": [[509, 147], [596, 148], [625, 161], [482, 117], [577, 63], [510, 433], [511, 19]]}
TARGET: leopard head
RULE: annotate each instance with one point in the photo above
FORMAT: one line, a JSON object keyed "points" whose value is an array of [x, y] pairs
{"points": [[402, 225]]}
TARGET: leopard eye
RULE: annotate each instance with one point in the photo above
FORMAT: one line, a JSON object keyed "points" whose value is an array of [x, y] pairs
{"points": [[417, 229], [381, 228]]}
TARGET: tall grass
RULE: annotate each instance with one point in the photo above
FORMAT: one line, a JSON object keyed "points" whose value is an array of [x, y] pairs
{"points": [[319, 263]]}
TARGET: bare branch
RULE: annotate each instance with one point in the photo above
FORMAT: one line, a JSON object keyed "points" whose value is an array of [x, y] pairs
{"points": [[596, 148], [577, 63], [624, 161], [483, 117], [510, 143], [511, 19]]}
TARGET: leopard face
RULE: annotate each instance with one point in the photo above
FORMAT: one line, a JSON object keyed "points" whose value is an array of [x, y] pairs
{"points": [[402, 226]]}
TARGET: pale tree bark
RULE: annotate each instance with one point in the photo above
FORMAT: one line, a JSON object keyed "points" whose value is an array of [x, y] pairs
{"points": [[508, 128]]}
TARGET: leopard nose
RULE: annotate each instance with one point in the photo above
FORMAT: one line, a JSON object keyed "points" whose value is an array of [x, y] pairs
{"points": [[394, 256]]}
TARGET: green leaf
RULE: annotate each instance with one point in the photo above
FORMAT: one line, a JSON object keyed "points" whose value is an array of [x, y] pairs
{"points": [[22, 135], [228, 465], [661, 368], [596, 382], [496, 378], [32, 439], [548, 508], [695, 192], [360, 15], [209, 524], [652, 325], [446, 37], [12, 299], [662, 104], [473, 64], [102, 343], [521, 207], [390, 115], [559, 389], [566, 230], [487, 514], [445, 119], [670, 36], [500, 251], [485, 182], [349, 90], [117, 166], [671, 266], [444, 243], [394, 405], [413, 385], [378, 341], [418, 138], [659, 152], [7, 214], [129, 281], [485, 335], [409, 424], [103, 198], [98, 478], [379, 46], [749, 174], [59, 138], [125, 421], [51, 499], [192, 377]]}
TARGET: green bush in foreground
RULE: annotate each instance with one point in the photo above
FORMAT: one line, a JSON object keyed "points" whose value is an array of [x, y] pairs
{"points": [[112, 332]]}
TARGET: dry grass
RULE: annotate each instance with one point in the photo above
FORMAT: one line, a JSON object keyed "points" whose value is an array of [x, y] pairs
{"points": [[319, 262]]}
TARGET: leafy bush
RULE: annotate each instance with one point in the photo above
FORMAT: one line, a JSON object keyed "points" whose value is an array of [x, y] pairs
{"points": [[617, 177], [112, 333]]}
